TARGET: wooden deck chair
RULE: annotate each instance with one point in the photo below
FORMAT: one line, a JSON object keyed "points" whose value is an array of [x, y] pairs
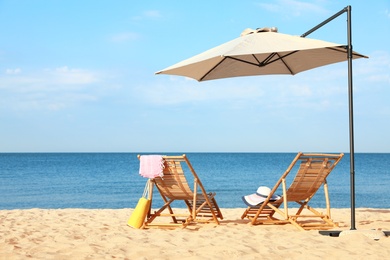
{"points": [[312, 172], [175, 186]]}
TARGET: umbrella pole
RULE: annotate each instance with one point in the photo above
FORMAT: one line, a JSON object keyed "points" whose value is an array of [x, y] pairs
{"points": [[351, 132], [350, 100]]}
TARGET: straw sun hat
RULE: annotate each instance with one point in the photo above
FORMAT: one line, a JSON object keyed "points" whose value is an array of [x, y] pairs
{"points": [[259, 197]]}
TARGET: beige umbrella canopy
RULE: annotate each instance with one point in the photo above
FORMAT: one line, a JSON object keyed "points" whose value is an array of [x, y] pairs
{"points": [[260, 52]]}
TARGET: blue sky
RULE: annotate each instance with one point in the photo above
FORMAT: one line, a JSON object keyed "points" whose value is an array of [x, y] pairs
{"points": [[78, 76]]}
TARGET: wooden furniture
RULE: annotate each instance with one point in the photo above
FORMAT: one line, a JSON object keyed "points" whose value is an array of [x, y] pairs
{"points": [[179, 176], [313, 169]]}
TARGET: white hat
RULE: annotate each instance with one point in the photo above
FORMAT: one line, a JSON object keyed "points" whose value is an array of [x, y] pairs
{"points": [[259, 197]]}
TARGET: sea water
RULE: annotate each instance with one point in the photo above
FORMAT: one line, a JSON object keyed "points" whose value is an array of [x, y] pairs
{"points": [[112, 180]]}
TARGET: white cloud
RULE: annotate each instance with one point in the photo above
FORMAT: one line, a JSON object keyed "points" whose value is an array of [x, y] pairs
{"points": [[148, 14], [376, 68], [152, 14], [387, 13], [124, 37], [321, 89], [67, 76], [180, 90], [293, 7], [52, 89], [13, 71]]}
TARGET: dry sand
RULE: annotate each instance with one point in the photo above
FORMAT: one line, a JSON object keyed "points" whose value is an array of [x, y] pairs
{"points": [[103, 234]]}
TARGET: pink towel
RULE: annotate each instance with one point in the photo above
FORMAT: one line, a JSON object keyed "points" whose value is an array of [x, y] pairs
{"points": [[151, 166]]}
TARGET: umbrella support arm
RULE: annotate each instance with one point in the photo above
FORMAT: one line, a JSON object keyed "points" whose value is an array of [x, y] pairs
{"points": [[350, 99], [326, 21]]}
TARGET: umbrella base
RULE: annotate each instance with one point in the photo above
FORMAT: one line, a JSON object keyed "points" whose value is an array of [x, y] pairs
{"points": [[374, 234]]}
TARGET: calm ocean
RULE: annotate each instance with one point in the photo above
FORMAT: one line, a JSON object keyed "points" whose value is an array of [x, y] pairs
{"points": [[111, 180]]}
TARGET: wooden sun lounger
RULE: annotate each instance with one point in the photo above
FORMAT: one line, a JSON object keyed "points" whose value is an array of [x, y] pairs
{"points": [[311, 175], [174, 186]]}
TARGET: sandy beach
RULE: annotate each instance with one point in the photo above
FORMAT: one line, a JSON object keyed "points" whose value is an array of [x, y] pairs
{"points": [[103, 234]]}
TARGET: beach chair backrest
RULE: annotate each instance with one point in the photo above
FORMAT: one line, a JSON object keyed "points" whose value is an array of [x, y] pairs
{"points": [[174, 184], [310, 176]]}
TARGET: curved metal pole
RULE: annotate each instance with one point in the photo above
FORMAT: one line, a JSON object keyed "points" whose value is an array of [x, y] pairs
{"points": [[350, 100]]}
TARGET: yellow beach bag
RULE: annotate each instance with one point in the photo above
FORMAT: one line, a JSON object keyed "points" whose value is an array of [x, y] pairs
{"points": [[138, 216]]}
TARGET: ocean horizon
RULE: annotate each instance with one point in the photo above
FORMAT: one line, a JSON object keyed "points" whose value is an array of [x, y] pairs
{"points": [[111, 180]]}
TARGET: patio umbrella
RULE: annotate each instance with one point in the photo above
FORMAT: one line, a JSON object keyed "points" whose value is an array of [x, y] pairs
{"points": [[264, 51], [260, 52]]}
